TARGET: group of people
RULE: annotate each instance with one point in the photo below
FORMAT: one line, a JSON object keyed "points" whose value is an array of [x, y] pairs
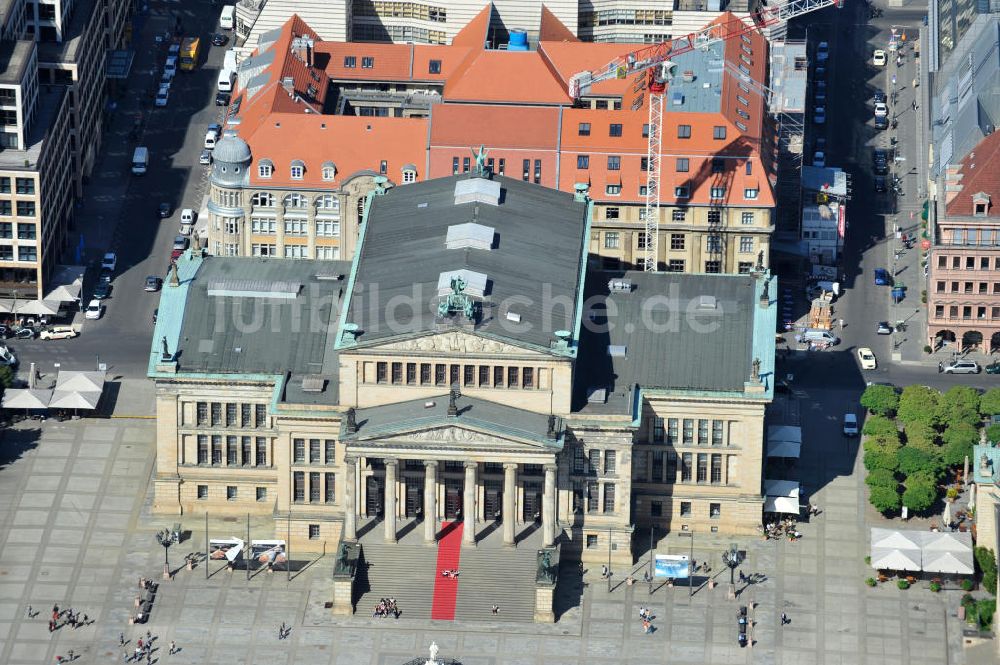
{"points": [[782, 528], [646, 617], [72, 618], [385, 608], [143, 649], [450, 573], [284, 631]]}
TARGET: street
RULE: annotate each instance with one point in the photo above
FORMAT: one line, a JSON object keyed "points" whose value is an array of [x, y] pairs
{"points": [[119, 210]]}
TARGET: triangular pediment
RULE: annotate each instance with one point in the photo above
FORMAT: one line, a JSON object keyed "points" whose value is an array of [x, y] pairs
{"points": [[457, 342], [465, 438]]}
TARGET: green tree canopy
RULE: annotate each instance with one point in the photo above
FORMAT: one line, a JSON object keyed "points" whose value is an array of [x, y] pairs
{"points": [[958, 440], [882, 457], [922, 436], [6, 376], [880, 427], [960, 404], [993, 433], [885, 499], [881, 400], [914, 460], [920, 493], [882, 478], [986, 562], [919, 404], [989, 402]]}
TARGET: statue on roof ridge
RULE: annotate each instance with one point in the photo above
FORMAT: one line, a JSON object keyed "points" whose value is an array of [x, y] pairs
{"points": [[480, 156]]}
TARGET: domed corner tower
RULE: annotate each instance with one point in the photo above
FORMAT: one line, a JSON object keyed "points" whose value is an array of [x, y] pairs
{"points": [[226, 216]]}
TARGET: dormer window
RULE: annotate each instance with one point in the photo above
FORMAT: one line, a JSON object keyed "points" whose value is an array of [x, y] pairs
{"points": [[383, 167], [409, 175], [298, 169], [265, 169], [980, 204], [328, 171]]}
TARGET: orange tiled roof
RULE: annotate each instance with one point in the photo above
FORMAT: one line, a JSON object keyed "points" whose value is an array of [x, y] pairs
{"points": [[507, 77], [980, 173], [552, 29], [468, 125], [474, 34]]}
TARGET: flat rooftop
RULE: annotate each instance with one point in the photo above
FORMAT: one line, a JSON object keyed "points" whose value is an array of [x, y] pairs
{"points": [[49, 104], [530, 255], [789, 76], [704, 93], [67, 49], [14, 57]]}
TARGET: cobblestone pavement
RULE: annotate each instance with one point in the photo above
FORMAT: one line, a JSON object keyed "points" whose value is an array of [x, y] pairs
{"points": [[77, 531]]}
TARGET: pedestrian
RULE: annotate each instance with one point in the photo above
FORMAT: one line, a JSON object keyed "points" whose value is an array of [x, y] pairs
{"points": [[646, 626], [121, 639], [940, 368], [914, 104], [916, 82], [52, 625], [86, 619], [71, 656], [495, 609], [149, 637], [139, 645], [784, 618], [173, 648], [642, 612], [29, 611]]}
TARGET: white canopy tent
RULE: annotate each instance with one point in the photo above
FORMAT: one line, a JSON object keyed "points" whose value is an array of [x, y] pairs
{"points": [[947, 563], [80, 381], [928, 551], [884, 559], [37, 307], [72, 399], [26, 398], [781, 496], [66, 283], [784, 441]]}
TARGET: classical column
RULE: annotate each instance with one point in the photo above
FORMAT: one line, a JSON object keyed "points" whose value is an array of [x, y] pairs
{"points": [[350, 497], [430, 502], [549, 506], [389, 509], [469, 504], [509, 490]]}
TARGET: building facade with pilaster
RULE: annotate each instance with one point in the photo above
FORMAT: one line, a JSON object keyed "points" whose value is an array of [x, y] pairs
{"points": [[468, 366]]}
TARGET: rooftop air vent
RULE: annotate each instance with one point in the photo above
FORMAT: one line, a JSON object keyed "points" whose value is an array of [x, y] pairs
{"points": [[677, 98], [513, 317], [617, 350], [477, 190], [253, 288], [620, 285], [470, 236], [329, 276], [475, 282], [313, 383], [707, 302]]}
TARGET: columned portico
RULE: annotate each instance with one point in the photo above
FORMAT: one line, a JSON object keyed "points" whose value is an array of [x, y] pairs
{"points": [[509, 490], [549, 506], [350, 496], [430, 502], [390, 510], [469, 504]]}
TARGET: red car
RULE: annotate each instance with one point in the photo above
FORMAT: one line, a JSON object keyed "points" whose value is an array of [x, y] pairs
{"points": [[174, 255]]}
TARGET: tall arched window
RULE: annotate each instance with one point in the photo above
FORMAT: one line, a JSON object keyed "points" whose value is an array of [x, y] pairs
{"points": [[263, 200]]}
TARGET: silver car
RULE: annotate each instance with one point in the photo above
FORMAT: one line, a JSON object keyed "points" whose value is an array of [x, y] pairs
{"points": [[962, 367]]}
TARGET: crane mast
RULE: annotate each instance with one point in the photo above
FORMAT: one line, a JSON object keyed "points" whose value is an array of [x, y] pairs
{"points": [[658, 55]]}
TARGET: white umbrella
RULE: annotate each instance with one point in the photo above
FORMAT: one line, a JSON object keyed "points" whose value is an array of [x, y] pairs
{"points": [[37, 307], [80, 380], [972, 496], [896, 560], [72, 399], [26, 398], [946, 518]]}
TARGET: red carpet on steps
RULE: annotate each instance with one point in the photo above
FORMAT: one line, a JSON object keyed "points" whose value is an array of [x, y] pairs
{"points": [[446, 588]]}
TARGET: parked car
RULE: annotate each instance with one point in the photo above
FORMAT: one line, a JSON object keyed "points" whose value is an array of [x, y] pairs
{"points": [[883, 328], [171, 64], [881, 121], [962, 367], [881, 109], [164, 210], [219, 39], [882, 277], [174, 49], [222, 98], [822, 52], [153, 283], [206, 157], [102, 290], [212, 136], [163, 95], [175, 254], [819, 159], [850, 424], [166, 80], [181, 243], [880, 161], [993, 367], [880, 96], [93, 310], [819, 115], [58, 332], [879, 58], [880, 183], [866, 358], [109, 262]]}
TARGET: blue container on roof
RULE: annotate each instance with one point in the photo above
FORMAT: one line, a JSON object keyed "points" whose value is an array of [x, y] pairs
{"points": [[518, 41]]}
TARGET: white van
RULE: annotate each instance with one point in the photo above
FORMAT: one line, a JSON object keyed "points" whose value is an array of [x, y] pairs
{"points": [[187, 221], [140, 160], [229, 60], [817, 335], [227, 17], [226, 79]]}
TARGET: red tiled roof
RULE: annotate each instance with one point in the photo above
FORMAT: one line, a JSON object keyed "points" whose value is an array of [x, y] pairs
{"points": [[980, 172], [474, 34], [469, 125], [552, 29], [507, 77]]}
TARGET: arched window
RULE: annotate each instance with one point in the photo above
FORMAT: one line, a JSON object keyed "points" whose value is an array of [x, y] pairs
{"points": [[361, 210], [263, 200], [327, 202], [295, 201]]}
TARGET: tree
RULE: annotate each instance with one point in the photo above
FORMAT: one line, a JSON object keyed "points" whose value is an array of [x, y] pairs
{"points": [[958, 441], [884, 499], [882, 478], [993, 433], [919, 404], [989, 402], [881, 400], [922, 436], [882, 457], [880, 427], [6, 376], [960, 404], [986, 562], [920, 493], [914, 460]]}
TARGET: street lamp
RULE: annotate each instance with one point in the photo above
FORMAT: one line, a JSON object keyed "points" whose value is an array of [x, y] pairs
{"points": [[733, 557], [166, 539]]}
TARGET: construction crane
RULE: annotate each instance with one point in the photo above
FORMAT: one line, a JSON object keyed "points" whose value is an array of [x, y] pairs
{"points": [[655, 59]]}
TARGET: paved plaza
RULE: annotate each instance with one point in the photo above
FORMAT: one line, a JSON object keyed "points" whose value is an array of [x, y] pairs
{"points": [[77, 531]]}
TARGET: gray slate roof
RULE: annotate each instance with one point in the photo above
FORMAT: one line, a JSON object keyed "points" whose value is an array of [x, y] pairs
{"points": [[473, 413], [715, 356], [260, 335], [538, 247]]}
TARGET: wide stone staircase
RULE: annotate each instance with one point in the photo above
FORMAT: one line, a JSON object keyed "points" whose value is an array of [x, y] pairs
{"points": [[490, 573]]}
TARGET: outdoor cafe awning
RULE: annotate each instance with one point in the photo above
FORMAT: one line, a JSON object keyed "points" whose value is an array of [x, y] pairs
{"points": [[66, 283], [781, 496], [883, 559], [72, 399], [784, 441], [26, 398], [928, 551]]}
